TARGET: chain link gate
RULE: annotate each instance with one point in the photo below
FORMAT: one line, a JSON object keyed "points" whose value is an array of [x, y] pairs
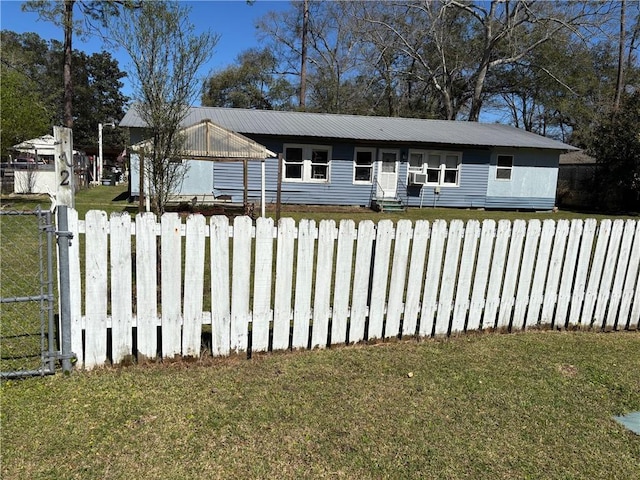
{"points": [[27, 294]]}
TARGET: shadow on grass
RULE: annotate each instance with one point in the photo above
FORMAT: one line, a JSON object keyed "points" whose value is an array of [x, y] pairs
{"points": [[121, 197]]}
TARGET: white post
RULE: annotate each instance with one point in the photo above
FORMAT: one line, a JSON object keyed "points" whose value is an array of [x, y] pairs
{"points": [[100, 152]]}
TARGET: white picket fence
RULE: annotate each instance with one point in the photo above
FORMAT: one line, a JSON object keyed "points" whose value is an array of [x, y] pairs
{"points": [[307, 286]]}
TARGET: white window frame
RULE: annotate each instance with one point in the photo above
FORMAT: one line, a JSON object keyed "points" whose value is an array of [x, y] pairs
{"points": [[306, 163], [442, 168], [372, 151], [502, 168]]}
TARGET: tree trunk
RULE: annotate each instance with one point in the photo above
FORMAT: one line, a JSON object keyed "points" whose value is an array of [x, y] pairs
{"points": [[621, 40], [68, 82], [303, 59], [476, 101]]}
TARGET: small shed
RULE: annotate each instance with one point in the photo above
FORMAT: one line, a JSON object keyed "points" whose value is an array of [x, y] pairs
{"points": [[42, 148], [207, 142]]}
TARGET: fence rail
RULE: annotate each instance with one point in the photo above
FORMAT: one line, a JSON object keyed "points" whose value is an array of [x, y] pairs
{"points": [[144, 284]]}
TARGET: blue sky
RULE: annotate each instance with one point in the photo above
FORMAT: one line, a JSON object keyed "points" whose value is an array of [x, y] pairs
{"points": [[233, 20]]}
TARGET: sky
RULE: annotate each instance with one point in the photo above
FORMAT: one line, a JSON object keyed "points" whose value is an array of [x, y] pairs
{"points": [[233, 20]]}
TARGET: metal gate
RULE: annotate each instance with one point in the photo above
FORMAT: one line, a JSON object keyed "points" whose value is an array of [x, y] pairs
{"points": [[27, 296]]}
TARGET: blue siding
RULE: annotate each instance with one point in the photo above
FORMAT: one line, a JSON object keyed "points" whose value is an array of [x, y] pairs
{"points": [[534, 174], [522, 203], [340, 190], [197, 181]]}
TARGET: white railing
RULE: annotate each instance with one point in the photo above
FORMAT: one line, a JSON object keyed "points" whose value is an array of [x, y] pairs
{"points": [[310, 286]]}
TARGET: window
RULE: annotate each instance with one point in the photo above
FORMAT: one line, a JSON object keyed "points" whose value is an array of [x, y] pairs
{"points": [[389, 161], [416, 160], [306, 163], [320, 164], [433, 169], [505, 165], [440, 168], [293, 163], [363, 166]]}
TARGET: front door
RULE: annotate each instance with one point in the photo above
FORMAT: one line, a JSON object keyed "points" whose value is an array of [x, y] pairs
{"points": [[387, 174]]}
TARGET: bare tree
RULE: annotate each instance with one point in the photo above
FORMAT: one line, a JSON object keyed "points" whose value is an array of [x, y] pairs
{"points": [[166, 57], [322, 34], [60, 12], [458, 44]]}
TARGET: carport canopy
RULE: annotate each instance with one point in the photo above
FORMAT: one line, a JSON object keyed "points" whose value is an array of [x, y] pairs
{"points": [[210, 142]]}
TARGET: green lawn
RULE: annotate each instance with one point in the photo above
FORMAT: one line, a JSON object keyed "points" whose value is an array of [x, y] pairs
{"points": [[113, 199], [532, 405]]}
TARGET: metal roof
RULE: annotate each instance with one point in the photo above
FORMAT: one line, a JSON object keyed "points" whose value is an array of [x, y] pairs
{"points": [[45, 145], [205, 140], [363, 128]]}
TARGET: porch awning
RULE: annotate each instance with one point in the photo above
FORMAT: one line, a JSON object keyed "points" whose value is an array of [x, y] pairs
{"points": [[207, 141]]}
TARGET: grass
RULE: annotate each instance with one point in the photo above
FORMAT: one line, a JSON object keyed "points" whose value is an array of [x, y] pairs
{"points": [[532, 405], [114, 199]]}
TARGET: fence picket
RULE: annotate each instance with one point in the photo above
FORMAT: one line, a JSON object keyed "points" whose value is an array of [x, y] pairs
{"points": [[507, 298], [323, 284], [304, 278], [146, 286], [554, 271], [634, 318], [95, 288], [595, 273], [416, 277], [220, 286], [364, 250], [540, 273], [121, 302], [241, 283], [496, 274], [482, 274], [379, 280], [568, 273], [621, 270], [342, 288], [194, 277], [432, 278], [448, 282], [609, 267], [171, 283], [284, 280], [398, 278], [75, 286], [526, 275], [630, 280], [467, 261], [263, 271], [582, 270]]}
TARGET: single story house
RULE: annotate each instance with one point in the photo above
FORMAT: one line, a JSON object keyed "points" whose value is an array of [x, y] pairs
{"points": [[330, 159]]}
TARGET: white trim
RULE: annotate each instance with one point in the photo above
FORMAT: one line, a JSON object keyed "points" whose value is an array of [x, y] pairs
{"points": [[306, 163]]}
